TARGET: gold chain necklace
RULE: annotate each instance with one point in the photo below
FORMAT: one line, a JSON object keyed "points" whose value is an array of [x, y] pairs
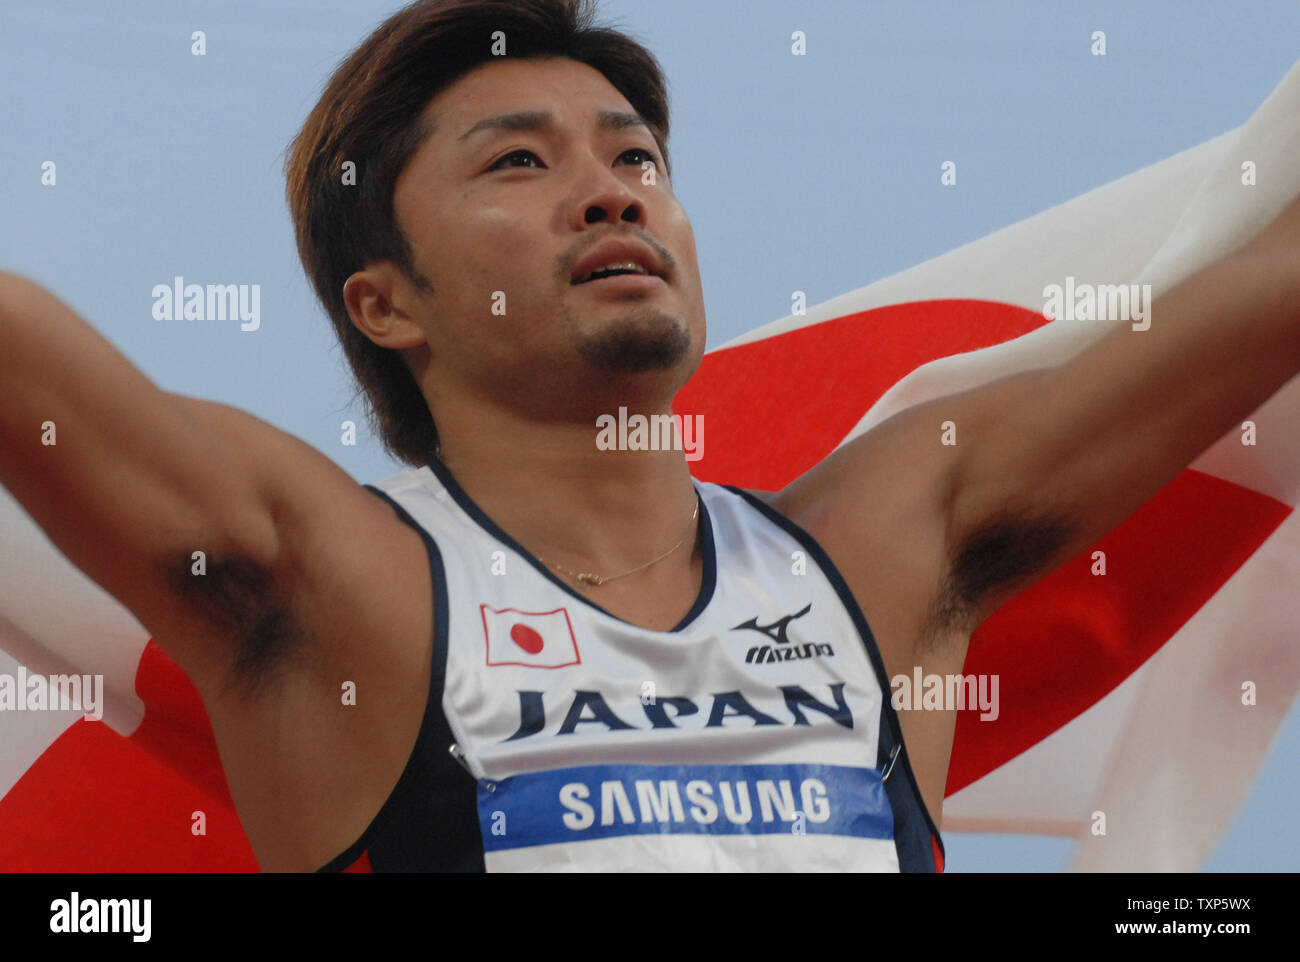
{"points": [[587, 578]]}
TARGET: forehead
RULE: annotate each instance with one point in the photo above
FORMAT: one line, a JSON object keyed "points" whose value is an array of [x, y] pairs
{"points": [[573, 91]]}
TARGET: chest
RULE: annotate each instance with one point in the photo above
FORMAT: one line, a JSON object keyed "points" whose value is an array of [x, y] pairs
{"points": [[712, 745]]}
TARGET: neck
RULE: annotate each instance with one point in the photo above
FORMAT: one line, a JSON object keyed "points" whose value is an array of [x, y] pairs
{"points": [[552, 489]]}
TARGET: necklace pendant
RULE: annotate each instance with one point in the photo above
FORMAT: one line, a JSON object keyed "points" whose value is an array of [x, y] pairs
{"points": [[587, 580]]}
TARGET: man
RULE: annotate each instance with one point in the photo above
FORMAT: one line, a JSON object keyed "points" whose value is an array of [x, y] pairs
{"points": [[515, 164]]}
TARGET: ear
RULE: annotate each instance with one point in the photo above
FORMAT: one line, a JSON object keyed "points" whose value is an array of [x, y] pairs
{"points": [[382, 303]]}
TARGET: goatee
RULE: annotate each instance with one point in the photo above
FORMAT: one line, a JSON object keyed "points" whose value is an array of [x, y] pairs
{"points": [[648, 340]]}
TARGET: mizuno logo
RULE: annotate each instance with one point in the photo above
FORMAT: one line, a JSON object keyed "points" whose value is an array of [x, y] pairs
{"points": [[778, 632], [777, 629]]}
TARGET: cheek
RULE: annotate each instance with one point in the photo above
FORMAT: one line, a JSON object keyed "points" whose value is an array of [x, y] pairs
{"points": [[506, 250], [684, 234], [688, 262]]}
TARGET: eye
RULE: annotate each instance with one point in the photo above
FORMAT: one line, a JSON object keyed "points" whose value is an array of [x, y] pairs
{"points": [[522, 152], [514, 153], [647, 154]]}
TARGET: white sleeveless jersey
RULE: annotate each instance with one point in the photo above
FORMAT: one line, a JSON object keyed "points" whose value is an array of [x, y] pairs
{"points": [[756, 735]]}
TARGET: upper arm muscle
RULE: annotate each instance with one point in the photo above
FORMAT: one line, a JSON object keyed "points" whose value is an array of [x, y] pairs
{"points": [[876, 505], [131, 483], [122, 477], [1054, 459], [269, 613], [883, 504]]}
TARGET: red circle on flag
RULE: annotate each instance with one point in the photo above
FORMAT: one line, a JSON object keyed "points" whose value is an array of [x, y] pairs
{"points": [[527, 639]]}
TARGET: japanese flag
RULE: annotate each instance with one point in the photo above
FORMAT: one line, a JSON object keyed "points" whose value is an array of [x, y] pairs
{"points": [[536, 639]]}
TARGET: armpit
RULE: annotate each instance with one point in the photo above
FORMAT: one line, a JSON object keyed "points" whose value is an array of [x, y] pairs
{"points": [[236, 597]]}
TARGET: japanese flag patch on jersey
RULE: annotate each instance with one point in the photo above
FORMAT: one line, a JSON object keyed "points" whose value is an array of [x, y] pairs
{"points": [[534, 639]]}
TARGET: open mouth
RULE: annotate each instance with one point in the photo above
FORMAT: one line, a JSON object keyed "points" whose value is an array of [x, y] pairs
{"points": [[623, 282], [621, 257], [614, 270]]}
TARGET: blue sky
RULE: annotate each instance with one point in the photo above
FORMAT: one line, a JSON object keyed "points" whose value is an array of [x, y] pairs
{"points": [[814, 173]]}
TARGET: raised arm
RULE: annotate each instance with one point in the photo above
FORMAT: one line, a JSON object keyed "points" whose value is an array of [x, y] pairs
{"points": [[1050, 461], [933, 538], [128, 481]]}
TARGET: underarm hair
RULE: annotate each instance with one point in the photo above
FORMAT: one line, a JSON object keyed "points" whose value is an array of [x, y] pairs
{"points": [[997, 556], [236, 598]]}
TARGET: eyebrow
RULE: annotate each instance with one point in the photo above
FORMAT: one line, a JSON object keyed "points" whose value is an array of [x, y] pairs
{"points": [[541, 119]]}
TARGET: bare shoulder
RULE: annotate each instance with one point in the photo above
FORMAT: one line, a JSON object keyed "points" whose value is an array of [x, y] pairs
{"points": [[877, 506], [337, 541], [316, 719]]}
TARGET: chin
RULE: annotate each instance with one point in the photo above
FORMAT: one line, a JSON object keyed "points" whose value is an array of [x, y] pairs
{"points": [[645, 340]]}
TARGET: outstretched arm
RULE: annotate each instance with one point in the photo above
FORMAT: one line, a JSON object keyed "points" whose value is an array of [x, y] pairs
{"points": [[128, 480], [1051, 460]]}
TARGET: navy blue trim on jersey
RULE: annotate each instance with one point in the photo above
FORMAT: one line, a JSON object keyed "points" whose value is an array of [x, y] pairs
{"points": [[707, 584], [430, 821], [915, 850]]}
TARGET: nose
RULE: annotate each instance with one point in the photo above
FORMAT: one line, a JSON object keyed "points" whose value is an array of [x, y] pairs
{"points": [[631, 213], [606, 198]]}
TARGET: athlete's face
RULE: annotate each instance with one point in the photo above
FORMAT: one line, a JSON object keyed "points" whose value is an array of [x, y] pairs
{"points": [[501, 214]]}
